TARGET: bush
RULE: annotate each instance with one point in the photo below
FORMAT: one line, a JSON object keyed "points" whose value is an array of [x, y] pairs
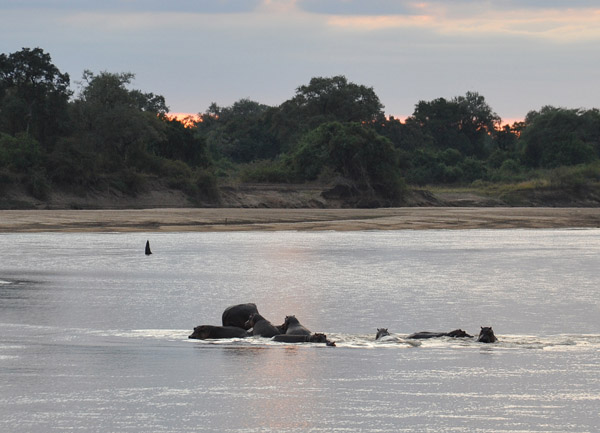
{"points": [[267, 172], [452, 174], [451, 157], [574, 177], [206, 184], [127, 181], [510, 166], [473, 169], [174, 169], [70, 164], [571, 151], [20, 153], [38, 185]]}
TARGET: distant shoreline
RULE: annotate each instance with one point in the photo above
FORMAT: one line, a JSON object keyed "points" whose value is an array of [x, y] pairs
{"points": [[236, 219]]}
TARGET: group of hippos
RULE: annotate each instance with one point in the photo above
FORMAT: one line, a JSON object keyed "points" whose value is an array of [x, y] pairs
{"points": [[486, 335], [244, 320]]}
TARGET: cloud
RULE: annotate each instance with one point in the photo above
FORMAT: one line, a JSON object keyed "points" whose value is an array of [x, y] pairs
{"points": [[557, 21], [193, 6], [356, 7], [544, 4], [411, 7]]}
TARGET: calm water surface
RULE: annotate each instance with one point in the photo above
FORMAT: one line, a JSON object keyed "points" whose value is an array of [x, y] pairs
{"points": [[94, 333]]}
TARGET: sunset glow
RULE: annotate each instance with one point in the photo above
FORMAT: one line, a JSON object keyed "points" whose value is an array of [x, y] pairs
{"points": [[561, 25], [187, 119]]}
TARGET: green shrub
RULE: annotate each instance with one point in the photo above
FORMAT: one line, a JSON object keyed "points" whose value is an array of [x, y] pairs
{"points": [[21, 152], [451, 156], [266, 171], [473, 169], [452, 174], [206, 184], [175, 169], [510, 166], [38, 185], [128, 182], [70, 164]]}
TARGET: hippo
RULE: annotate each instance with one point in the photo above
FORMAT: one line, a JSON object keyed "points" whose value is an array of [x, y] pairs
{"points": [[261, 326], [486, 335], [295, 338], [457, 333], [293, 326], [204, 332], [238, 315], [381, 332]]}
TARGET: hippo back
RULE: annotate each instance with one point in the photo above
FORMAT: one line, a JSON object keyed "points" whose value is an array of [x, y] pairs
{"points": [[204, 332], [261, 327], [237, 315], [422, 335], [314, 338], [293, 327], [286, 338], [458, 333]]}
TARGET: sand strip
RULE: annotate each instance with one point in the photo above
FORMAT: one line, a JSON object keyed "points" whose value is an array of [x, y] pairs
{"points": [[236, 219]]}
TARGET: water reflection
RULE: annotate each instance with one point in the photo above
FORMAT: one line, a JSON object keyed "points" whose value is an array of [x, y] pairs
{"points": [[277, 385]]}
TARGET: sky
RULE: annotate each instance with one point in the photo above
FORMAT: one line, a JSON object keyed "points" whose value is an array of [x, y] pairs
{"points": [[519, 54]]}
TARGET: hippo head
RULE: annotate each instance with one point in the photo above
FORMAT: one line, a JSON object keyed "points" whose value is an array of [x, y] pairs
{"points": [[486, 335], [282, 328], [290, 320], [200, 332], [459, 333], [252, 319], [381, 332], [318, 338]]}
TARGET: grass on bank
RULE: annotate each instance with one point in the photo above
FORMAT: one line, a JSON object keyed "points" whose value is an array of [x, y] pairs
{"points": [[580, 181]]}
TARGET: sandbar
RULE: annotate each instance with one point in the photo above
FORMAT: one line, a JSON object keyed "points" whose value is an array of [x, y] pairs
{"points": [[244, 219]]}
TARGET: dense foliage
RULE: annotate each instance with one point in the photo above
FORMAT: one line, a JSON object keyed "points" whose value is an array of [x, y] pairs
{"points": [[109, 135]]}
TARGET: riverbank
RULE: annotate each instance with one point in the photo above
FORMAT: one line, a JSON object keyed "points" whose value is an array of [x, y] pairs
{"points": [[236, 219]]}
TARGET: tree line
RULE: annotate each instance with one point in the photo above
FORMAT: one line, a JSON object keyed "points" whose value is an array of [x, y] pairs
{"points": [[108, 135]]}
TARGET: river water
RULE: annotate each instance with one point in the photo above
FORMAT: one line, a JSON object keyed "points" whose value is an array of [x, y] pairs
{"points": [[94, 333]]}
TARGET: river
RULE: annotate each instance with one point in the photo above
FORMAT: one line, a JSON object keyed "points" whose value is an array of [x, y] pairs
{"points": [[94, 333]]}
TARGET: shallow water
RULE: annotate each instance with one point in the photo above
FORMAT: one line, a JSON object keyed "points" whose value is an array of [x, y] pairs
{"points": [[95, 333]]}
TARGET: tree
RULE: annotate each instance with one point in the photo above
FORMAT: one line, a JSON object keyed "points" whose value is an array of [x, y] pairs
{"points": [[465, 123], [559, 136], [117, 123], [478, 121], [439, 119], [240, 133], [335, 99], [182, 143], [33, 96], [355, 152], [323, 100]]}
